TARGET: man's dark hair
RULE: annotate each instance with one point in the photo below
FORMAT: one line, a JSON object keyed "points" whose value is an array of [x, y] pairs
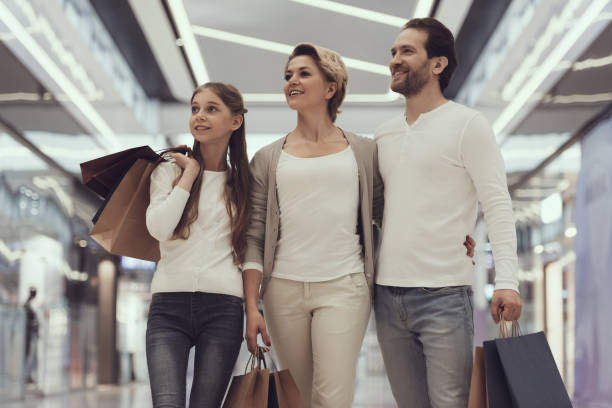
{"points": [[440, 43]]}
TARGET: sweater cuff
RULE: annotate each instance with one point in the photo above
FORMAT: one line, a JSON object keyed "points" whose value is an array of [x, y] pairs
{"points": [[513, 287], [252, 265]]}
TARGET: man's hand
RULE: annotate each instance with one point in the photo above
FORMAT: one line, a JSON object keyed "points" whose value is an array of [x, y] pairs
{"points": [[255, 324], [508, 303], [469, 244]]}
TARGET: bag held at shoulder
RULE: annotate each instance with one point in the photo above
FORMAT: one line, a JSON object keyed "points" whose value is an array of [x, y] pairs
{"points": [[121, 226], [101, 175]]}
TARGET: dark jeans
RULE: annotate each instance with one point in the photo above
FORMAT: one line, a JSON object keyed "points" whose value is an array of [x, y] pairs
{"points": [[211, 322]]}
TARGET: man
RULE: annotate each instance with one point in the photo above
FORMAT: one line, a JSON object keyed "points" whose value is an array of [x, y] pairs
{"points": [[31, 338], [437, 161]]}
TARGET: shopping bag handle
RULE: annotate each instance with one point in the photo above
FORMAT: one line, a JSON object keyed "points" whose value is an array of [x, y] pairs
{"points": [[256, 359], [511, 330], [260, 356]]}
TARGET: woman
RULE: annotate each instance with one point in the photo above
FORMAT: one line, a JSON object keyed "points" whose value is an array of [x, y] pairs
{"points": [[310, 242], [199, 212], [311, 235]]}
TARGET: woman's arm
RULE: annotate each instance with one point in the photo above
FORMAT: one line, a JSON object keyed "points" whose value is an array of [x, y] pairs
{"points": [[255, 322], [253, 265], [259, 201]]}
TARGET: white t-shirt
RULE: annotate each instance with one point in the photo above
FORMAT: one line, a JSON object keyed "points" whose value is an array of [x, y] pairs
{"points": [[435, 172], [319, 200], [203, 262]]}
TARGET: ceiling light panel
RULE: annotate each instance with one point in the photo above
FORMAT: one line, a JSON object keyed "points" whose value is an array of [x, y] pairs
{"points": [[518, 18], [362, 13], [195, 57], [29, 48], [423, 8], [540, 75], [281, 48], [365, 43], [263, 81], [155, 25], [591, 63]]}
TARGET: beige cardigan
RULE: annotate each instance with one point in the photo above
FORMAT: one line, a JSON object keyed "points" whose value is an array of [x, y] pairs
{"points": [[263, 232]]}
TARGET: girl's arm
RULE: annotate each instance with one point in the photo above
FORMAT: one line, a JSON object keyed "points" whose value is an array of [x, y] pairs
{"points": [[167, 203]]}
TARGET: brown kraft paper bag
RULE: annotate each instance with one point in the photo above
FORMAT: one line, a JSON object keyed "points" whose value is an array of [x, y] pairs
{"points": [[249, 390], [478, 386], [121, 227]]}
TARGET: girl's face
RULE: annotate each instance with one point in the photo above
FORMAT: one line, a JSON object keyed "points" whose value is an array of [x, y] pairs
{"points": [[305, 85], [211, 121]]}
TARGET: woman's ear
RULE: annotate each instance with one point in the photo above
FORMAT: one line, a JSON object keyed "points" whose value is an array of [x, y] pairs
{"points": [[331, 90], [237, 121]]}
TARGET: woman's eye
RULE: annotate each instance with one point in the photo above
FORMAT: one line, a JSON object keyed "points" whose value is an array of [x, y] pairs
{"points": [[304, 73], [194, 109], [287, 77], [212, 109]]}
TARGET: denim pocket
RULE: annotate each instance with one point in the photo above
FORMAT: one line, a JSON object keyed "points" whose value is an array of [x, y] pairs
{"points": [[221, 298], [233, 299], [468, 300]]}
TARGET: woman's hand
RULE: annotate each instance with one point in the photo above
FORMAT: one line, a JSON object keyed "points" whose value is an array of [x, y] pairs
{"points": [[470, 244], [255, 324]]}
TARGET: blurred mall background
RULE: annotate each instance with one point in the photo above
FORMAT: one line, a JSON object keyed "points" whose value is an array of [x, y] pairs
{"points": [[83, 78]]}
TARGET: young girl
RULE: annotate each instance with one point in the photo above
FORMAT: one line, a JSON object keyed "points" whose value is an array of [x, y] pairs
{"points": [[199, 212]]}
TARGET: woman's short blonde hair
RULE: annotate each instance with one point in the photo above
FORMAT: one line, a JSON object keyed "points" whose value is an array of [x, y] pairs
{"points": [[332, 67]]}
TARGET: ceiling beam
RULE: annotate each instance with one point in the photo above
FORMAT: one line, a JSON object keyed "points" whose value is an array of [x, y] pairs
{"points": [[577, 136], [479, 24], [16, 134], [159, 34]]}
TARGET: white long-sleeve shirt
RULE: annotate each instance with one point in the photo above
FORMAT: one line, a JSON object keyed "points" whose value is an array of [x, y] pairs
{"points": [[319, 200], [203, 262], [435, 172]]}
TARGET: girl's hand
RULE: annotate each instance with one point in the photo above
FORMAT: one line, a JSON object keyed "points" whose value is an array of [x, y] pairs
{"points": [[186, 162], [255, 324]]}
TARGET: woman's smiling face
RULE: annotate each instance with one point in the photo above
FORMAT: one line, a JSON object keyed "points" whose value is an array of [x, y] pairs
{"points": [[305, 85]]}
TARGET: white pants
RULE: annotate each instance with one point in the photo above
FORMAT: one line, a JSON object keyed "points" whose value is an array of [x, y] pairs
{"points": [[316, 330]]}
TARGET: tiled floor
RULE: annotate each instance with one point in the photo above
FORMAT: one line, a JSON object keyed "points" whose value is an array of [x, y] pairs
{"points": [[132, 396], [371, 389], [138, 396]]}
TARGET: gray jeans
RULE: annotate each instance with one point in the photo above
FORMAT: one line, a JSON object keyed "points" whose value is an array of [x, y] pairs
{"points": [[426, 337]]}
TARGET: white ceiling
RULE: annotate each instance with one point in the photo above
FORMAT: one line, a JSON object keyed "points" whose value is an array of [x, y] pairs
{"points": [[246, 42]]}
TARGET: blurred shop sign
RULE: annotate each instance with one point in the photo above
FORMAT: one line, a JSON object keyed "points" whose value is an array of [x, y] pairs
{"points": [[128, 263], [593, 366]]}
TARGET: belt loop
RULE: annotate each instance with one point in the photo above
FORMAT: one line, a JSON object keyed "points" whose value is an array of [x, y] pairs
{"points": [[306, 290]]}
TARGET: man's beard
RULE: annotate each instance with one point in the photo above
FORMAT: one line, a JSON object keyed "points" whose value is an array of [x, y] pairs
{"points": [[414, 82]]}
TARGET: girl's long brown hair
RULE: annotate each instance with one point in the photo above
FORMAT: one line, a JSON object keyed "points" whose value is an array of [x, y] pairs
{"points": [[238, 186]]}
